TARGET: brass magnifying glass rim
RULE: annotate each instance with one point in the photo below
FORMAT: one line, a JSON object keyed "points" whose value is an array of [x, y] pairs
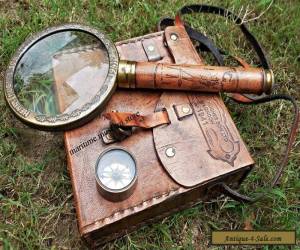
{"points": [[78, 117]]}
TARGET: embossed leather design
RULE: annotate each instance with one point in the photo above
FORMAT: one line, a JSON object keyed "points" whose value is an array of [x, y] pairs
{"points": [[209, 79]]}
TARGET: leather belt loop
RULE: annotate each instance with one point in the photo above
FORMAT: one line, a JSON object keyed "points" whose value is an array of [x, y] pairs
{"points": [[151, 50]]}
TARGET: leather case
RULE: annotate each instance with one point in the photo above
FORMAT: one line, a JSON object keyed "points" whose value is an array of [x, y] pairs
{"points": [[206, 146]]}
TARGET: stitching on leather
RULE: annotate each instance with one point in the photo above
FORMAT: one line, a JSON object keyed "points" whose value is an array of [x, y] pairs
{"points": [[167, 194], [139, 39], [131, 228]]}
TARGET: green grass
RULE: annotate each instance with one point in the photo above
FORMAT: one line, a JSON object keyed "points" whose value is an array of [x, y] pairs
{"points": [[36, 202]]}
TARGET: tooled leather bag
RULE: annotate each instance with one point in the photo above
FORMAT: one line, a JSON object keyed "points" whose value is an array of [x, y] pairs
{"points": [[192, 155]]}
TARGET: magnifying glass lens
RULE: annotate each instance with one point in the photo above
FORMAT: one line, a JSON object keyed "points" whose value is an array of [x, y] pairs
{"points": [[61, 72]]}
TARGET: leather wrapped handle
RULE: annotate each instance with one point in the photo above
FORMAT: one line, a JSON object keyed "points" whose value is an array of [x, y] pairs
{"points": [[195, 77]]}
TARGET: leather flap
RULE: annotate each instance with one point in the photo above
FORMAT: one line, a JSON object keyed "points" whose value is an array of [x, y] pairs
{"points": [[201, 142]]}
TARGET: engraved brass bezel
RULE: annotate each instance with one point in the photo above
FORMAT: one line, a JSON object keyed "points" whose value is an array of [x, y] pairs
{"points": [[77, 117]]}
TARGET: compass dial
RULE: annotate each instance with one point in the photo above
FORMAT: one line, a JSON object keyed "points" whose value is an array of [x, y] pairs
{"points": [[116, 173], [116, 176]]}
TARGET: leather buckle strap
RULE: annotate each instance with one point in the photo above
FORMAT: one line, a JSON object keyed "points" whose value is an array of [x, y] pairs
{"points": [[127, 119], [123, 123]]}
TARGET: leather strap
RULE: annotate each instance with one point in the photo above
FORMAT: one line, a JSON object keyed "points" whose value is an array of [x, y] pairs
{"points": [[291, 139], [202, 8], [205, 43], [124, 119]]}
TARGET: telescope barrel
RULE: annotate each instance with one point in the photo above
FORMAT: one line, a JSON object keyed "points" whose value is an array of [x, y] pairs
{"points": [[148, 75]]}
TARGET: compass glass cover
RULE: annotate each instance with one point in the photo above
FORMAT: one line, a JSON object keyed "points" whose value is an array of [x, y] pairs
{"points": [[116, 169], [61, 72]]}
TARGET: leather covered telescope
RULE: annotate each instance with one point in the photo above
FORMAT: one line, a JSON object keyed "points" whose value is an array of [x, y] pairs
{"points": [[150, 75]]}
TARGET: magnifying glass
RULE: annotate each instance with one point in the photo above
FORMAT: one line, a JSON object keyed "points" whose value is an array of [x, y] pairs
{"points": [[63, 76]]}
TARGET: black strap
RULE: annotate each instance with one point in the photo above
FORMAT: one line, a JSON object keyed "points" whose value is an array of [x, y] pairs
{"points": [[291, 139], [208, 45], [202, 8]]}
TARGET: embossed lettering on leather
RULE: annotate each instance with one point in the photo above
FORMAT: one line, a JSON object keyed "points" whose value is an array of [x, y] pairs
{"points": [[223, 144]]}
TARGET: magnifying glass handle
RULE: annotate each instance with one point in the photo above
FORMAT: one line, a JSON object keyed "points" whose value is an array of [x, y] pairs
{"points": [[194, 77]]}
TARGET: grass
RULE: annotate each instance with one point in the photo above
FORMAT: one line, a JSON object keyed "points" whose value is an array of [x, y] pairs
{"points": [[37, 209]]}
